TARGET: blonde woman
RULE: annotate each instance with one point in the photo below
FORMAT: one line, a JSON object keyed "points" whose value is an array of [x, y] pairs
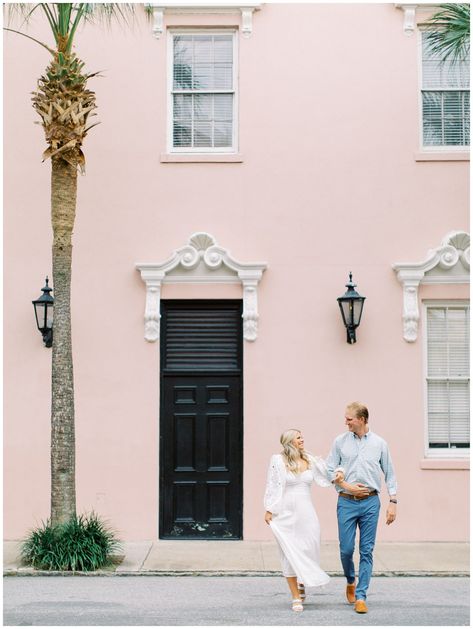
{"points": [[291, 515]]}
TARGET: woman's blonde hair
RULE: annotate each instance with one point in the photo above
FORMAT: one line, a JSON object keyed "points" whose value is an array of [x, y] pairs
{"points": [[290, 453]]}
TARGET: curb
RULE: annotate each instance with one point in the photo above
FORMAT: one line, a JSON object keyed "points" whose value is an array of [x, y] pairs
{"points": [[216, 573]]}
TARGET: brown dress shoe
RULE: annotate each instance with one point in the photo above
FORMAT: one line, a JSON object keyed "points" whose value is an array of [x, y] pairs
{"points": [[351, 592], [360, 607]]}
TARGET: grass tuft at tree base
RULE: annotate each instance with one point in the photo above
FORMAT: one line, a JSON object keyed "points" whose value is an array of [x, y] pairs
{"points": [[85, 544]]}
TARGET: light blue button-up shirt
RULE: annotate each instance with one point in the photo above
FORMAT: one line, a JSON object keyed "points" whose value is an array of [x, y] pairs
{"points": [[362, 460]]}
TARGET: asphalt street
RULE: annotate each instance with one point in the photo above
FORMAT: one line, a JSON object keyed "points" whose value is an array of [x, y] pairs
{"points": [[148, 601]]}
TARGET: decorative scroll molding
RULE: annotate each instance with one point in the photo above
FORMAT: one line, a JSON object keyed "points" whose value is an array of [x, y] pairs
{"points": [[245, 8], [447, 264], [201, 261], [410, 14]]}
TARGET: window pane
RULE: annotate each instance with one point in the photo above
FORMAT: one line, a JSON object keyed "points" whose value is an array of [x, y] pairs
{"points": [[203, 107], [203, 76], [460, 413], [432, 104], [437, 404], [453, 132], [182, 106], [223, 76], [223, 48], [182, 135], [223, 134], [437, 324], [223, 107], [202, 134], [182, 62], [183, 49], [203, 49]]}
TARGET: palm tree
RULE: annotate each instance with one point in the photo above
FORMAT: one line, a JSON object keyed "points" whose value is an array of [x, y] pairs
{"points": [[450, 39], [65, 105]]}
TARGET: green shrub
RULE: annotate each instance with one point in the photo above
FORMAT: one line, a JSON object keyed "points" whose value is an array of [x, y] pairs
{"points": [[84, 543]]}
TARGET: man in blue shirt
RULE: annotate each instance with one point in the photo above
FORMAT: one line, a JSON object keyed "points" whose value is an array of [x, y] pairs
{"points": [[362, 457]]}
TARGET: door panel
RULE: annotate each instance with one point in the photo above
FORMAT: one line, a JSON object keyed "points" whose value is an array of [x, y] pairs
{"points": [[201, 427]]}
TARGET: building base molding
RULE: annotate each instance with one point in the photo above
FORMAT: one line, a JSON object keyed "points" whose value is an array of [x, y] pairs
{"points": [[201, 261], [447, 264]]}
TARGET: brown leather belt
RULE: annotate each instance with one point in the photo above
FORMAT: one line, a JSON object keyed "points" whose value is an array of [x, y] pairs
{"points": [[350, 497]]}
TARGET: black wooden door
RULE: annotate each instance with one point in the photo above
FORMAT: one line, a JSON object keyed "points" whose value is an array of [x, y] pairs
{"points": [[201, 420]]}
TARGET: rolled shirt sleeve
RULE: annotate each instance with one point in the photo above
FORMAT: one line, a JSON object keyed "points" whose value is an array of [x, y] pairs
{"points": [[388, 470], [333, 461]]}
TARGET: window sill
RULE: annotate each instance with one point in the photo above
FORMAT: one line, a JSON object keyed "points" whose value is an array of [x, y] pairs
{"points": [[201, 157], [438, 156], [445, 464]]}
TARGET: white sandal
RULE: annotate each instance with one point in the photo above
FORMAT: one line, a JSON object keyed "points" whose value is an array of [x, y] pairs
{"points": [[301, 588], [297, 605]]}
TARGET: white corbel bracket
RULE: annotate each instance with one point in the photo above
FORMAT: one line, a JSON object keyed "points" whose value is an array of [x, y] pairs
{"points": [[447, 264], [158, 21], [201, 261], [409, 25], [247, 22]]}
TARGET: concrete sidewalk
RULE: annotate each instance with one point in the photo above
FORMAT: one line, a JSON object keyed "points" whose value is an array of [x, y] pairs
{"points": [[247, 558]]}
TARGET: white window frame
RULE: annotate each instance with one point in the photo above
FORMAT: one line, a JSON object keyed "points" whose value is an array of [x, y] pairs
{"points": [[189, 150], [443, 148], [437, 453]]}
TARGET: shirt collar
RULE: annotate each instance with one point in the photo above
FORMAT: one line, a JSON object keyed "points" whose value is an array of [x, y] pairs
{"points": [[364, 436]]}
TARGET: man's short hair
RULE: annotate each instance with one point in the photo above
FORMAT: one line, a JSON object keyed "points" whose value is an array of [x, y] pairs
{"points": [[360, 410]]}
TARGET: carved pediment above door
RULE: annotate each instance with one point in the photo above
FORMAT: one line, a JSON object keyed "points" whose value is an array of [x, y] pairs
{"points": [[201, 261]]}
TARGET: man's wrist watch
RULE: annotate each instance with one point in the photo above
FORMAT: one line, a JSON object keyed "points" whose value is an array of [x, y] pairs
{"points": [[393, 500]]}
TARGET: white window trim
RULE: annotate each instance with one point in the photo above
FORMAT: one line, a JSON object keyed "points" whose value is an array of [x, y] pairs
{"points": [[233, 150], [437, 453], [431, 148]]}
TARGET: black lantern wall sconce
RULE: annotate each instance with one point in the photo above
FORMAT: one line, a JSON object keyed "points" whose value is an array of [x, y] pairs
{"points": [[43, 310], [351, 307]]}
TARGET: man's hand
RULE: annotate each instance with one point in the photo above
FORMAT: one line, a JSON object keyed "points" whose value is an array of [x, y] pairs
{"points": [[357, 489], [268, 516], [391, 513]]}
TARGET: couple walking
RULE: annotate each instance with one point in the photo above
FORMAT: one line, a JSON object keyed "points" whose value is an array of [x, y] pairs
{"points": [[354, 466]]}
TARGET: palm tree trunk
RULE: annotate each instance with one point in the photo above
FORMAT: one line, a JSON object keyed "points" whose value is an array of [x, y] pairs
{"points": [[63, 208]]}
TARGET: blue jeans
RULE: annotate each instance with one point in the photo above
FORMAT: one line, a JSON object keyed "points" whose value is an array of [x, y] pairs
{"points": [[364, 514]]}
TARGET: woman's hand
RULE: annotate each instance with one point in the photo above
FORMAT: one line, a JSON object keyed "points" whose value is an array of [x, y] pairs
{"points": [[268, 516], [339, 476], [357, 489]]}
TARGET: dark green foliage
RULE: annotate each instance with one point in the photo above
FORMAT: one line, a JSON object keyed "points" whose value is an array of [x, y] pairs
{"points": [[85, 543], [450, 37]]}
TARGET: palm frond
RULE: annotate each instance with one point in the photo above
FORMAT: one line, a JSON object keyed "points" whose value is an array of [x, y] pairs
{"points": [[65, 17], [449, 38]]}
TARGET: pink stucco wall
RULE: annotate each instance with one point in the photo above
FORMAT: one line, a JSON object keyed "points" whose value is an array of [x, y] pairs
{"points": [[328, 102]]}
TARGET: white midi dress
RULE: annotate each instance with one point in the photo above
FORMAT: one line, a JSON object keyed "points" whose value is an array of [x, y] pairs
{"points": [[295, 524]]}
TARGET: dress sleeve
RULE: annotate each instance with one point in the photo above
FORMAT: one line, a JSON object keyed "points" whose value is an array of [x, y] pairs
{"points": [[321, 472], [275, 484]]}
